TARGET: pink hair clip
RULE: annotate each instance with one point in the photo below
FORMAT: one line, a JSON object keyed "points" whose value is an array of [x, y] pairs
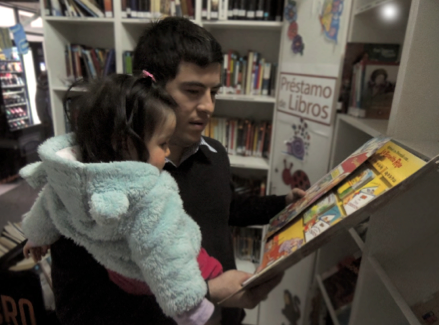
{"points": [[146, 74]]}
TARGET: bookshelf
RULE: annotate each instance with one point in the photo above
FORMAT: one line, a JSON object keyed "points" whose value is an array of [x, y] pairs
{"points": [[399, 261]]}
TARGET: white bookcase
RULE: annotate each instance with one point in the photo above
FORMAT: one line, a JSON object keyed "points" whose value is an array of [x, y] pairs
{"points": [[399, 257]]}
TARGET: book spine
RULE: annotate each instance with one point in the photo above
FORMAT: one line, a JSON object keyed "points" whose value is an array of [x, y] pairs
{"points": [[230, 14], [266, 79], [223, 9], [242, 9], [134, 8], [56, 8], [204, 9], [260, 10], [108, 6], [47, 8], [251, 10], [214, 9], [190, 9], [124, 9]]}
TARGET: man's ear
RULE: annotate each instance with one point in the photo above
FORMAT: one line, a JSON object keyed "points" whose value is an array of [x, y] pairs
{"points": [[107, 208]]}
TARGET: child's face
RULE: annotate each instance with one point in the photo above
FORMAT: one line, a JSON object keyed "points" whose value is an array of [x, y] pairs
{"points": [[158, 146]]}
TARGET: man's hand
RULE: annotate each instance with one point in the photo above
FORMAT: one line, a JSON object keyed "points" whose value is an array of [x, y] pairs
{"points": [[294, 195], [230, 282], [36, 252]]}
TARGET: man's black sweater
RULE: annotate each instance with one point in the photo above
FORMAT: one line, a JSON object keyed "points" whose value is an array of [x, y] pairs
{"points": [[85, 295]]}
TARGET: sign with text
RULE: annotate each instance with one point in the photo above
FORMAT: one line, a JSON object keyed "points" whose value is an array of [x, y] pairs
{"points": [[310, 97]]}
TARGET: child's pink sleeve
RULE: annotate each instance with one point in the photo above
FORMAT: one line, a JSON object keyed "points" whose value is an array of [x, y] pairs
{"points": [[198, 315]]}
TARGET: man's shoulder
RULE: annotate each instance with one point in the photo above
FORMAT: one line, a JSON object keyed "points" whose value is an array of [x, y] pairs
{"points": [[215, 144]]}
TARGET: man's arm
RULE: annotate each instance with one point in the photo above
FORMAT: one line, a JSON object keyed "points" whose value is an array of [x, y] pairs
{"points": [[256, 210], [85, 295]]}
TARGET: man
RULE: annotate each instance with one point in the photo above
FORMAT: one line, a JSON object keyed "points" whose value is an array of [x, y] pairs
{"points": [[186, 60]]}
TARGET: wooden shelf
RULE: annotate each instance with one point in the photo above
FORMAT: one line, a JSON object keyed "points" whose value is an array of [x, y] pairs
{"points": [[63, 88], [13, 86], [247, 98], [238, 24], [135, 21], [78, 20], [373, 127], [15, 105], [248, 162]]}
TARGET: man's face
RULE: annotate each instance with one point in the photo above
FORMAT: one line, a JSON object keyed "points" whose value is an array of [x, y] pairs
{"points": [[194, 89]]}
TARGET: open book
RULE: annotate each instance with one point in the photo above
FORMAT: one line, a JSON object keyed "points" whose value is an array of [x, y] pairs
{"points": [[348, 194]]}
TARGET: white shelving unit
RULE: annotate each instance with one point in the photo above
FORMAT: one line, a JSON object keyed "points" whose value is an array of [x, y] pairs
{"points": [[400, 262]]}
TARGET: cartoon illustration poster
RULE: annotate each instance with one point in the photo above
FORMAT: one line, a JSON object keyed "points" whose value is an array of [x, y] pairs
{"points": [[330, 18]]}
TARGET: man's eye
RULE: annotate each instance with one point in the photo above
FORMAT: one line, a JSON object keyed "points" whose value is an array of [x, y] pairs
{"points": [[192, 91]]}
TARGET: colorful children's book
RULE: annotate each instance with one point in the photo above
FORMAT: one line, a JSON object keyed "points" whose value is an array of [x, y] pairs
{"points": [[323, 222], [364, 195], [395, 163], [356, 181], [326, 183], [283, 244], [320, 207], [302, 228]]}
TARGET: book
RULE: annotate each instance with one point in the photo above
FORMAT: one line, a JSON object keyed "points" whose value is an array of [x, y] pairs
{"points": [[356, 181], [394, 163], [108, 7], [283, 244], [321, 214], [427, 310], [340, 282]]}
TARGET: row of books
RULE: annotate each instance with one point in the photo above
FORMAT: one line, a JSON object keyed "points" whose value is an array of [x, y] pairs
{"points": [[368, 79], [248, 75], [340, 282], [241, 137], [247, 243], [79, 8], [154, 9], [249, 186], [83, 62], [11, 236], [269, 10]]}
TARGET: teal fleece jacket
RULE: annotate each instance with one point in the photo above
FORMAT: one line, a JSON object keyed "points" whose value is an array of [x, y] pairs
{"points": [[128, 215]]}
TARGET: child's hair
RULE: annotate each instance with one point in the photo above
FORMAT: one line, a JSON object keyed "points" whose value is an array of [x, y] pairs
{"points": [[166, 43], [116, 114]]}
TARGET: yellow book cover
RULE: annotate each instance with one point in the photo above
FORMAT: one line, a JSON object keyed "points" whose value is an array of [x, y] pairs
{"points": [[283, 244], [363, 176], [364, 195], [394, 163]]}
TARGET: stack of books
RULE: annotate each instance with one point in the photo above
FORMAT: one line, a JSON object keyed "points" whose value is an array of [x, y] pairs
{"points": [[268, 10], [248, 75], [157, 9], [79, 8], [83, 62], [241, 137]]}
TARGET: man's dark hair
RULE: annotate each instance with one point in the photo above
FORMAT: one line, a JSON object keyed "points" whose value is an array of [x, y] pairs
{"points": [[114, 110], [168, 42]]}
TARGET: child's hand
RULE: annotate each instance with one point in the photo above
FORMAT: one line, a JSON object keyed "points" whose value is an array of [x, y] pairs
{"points": [[37, 252]]}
